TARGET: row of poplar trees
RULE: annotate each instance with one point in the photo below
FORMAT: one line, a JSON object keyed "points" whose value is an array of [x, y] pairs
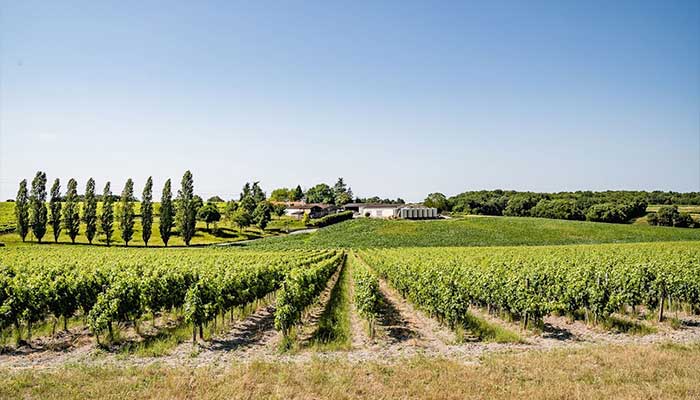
{"points": [[32, 214]]}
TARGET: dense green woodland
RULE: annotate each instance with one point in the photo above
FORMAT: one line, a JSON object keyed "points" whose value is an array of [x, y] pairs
{"points": [[609, 206]]}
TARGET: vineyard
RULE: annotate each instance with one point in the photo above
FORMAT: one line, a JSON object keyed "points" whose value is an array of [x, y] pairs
{"points": [[108, 286], [530, 283]]}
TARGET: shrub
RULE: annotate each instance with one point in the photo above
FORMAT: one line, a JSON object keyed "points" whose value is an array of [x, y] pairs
{"points": [[331, 219], [558, 209]]}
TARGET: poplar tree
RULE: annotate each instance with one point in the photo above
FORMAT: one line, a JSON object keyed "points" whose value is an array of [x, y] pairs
{"points": [[166, 213], [71, 217], [90, 210], [126, 212], [147, 211], [37, 199], [22, 210], [107, 216], [186, 212], [55, 207]]}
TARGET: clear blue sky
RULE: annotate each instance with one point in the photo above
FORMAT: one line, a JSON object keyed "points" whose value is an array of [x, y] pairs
{"points": [[400, 98]]}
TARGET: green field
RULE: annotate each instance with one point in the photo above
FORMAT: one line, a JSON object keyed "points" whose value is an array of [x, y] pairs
{"points": [[475, 231]]}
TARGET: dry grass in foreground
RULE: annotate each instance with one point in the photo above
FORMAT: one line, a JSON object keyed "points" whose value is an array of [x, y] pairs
{"points": [[600, 372]]}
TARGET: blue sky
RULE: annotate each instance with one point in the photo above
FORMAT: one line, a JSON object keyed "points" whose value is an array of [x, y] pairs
{"points": [[399, 98]]}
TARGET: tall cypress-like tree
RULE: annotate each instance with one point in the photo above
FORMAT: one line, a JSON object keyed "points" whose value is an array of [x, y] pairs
{"points": [[37, 199], [107, 216], [186, 212], [90, 210], [147, 210], [22, 210], [298, 194], [166, 213], [126, 212], [55, 207], [71, 217]]}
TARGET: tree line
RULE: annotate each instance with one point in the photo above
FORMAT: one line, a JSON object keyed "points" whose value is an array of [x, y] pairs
{"points": [[608, 206], [32, 214], [338, 194]]}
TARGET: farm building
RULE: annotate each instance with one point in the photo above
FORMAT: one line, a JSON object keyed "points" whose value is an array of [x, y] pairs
{"points": [[396, 211], [298, 209]]}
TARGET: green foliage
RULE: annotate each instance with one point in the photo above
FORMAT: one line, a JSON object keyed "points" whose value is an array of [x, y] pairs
{"points": [[670, 216], [279, 209], [186, 210], [55, 208], [262, 214], [107, 216], [368, 299], [558, 209], [71, 217], [320, 193], [330, 219], [306, 219], [215, 199], [209, 213], [242, 218], [117, 285], [22, 210], [147, 211], [529, 282], [281, 194], [521, 204], [90, 210], [126, 212], [37, 201], [167, 213], [342, 194], [300, 288], [298, 194], [437, 200]]}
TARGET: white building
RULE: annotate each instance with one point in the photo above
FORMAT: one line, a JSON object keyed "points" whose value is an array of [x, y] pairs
{"points": [[397, 211]]}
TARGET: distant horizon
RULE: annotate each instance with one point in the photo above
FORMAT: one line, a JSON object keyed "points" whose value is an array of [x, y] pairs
{"points": [[401, 99], [116, 188]]}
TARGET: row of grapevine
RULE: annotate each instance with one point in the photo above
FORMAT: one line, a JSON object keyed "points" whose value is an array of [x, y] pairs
{"points": [[367, 295], [299, 290], [531, 282], [110, 286]]}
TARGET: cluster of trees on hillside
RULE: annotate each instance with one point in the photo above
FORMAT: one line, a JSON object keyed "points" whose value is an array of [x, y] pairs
{"points": [[670, 216], [609, 206], [338, 194], [65, 213]]}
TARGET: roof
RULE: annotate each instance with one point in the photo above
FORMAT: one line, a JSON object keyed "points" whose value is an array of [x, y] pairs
{"points": [[381, 205], [307, 206]]}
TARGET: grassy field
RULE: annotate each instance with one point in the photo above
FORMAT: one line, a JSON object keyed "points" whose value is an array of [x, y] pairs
{"points": [[594, 372], [476, 231]]}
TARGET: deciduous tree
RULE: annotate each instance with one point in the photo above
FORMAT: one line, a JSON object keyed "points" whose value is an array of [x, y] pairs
{"points": [[166, 213], [186, 212], [107, 216], [55, 207], [22, 210], [126, 212], [71, 216], [262, 215], [90, 210], [209, 213], [37, 200], [147, 211]]}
